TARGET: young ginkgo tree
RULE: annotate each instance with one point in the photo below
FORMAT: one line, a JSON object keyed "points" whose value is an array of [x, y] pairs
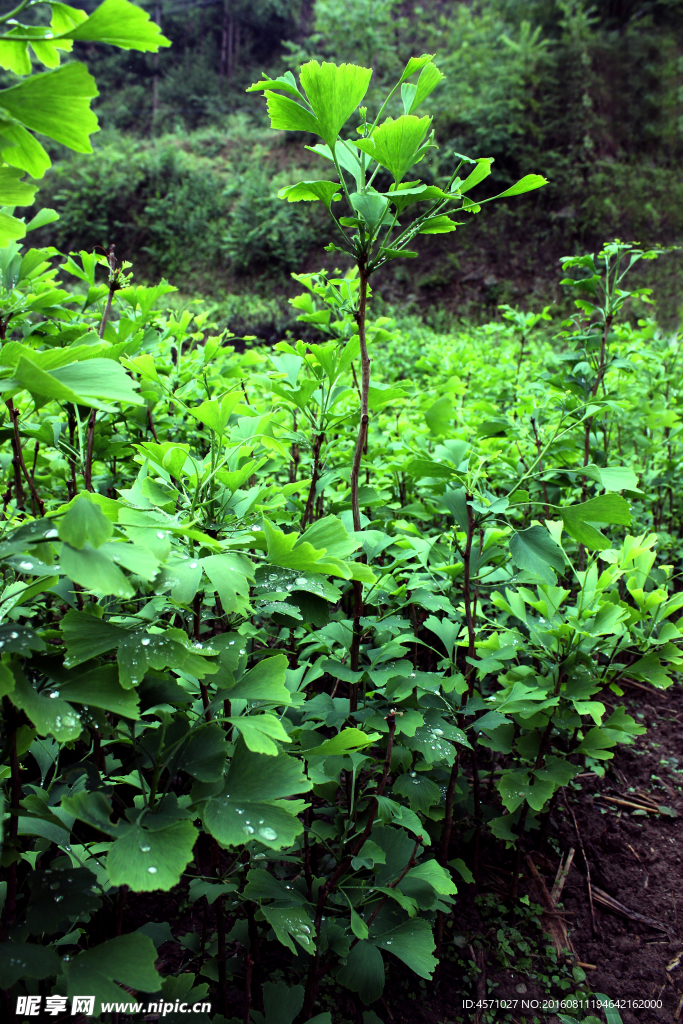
{"points": [[384, 212]]}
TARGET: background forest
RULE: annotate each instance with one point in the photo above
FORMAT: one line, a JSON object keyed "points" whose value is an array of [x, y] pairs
{"points": [[187, 170]]}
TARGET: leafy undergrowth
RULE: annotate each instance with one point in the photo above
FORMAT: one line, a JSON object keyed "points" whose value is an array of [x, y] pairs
{"points": [[199, 733]]}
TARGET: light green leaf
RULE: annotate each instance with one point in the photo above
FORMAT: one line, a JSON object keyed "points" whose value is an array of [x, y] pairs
{"points": [[347, 739], [230, 574], [92, 569], [481, 171], [334, 92], [306, 191], [215, 414], [618, 478], [11, 229], [13, 191], [607, 508], [432, 872], [56, 104], [415, 64], [534, 549], [21, 149], [440, 225], [14, 56], [413, 943], [147, 860], [372, 207], [412, 95], [395, 143], [85, 523], [525, 184], [260, 733], [289, 116], [121, 24]]}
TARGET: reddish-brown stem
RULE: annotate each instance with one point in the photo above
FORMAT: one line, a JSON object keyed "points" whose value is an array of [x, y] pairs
{"points": [[220, 933], [19, 455], [467, 595], [308, 511], [89, 445], [113, 285], [364, 394], [151, 424]]}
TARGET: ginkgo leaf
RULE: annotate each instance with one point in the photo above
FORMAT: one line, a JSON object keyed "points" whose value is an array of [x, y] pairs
{"points": [[147, 860], [413, 94], [11, 229], [121, 24], [481, 171], [56, 104], [284, 82], [334, 92], [525, 184], [415, 64], [13, 191], [307, 191], [261, 733], [21, 149], [395, 143], [440, 225], [290, 116]]}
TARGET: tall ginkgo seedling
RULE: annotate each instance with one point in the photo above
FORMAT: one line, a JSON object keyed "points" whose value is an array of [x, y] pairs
{"points": [[380, 222]]}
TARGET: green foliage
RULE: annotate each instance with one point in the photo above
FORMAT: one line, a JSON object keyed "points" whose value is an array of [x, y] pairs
{"points": [[259, 607]]}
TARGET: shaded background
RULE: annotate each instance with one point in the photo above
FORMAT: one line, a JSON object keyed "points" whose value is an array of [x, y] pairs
{"points": [[186, 170]]}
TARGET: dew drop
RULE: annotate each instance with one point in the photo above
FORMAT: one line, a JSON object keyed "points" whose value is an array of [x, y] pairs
{"points": [[248, 830], [58, 899], [193, 565], [25, 565], [145, 849], [50, 534], [160, 534], [151, 871], [145, 642], [55, 693], [268, 833], [301, 581]]}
